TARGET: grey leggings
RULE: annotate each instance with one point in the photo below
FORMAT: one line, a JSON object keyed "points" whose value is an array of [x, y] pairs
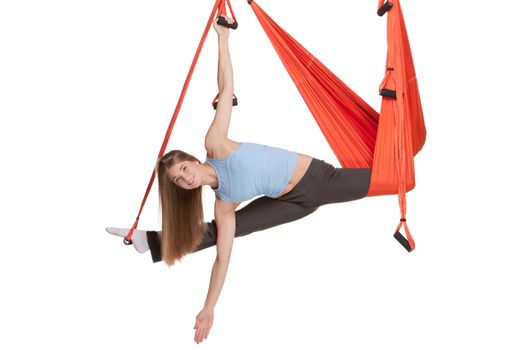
{"points": [[321, 184]]}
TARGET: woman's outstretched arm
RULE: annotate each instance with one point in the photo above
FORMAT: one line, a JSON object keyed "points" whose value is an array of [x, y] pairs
{"points": [[218, 130], [225, 218]]}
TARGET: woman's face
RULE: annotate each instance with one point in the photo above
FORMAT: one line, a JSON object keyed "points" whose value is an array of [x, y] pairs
{"points": [[186, 174]]}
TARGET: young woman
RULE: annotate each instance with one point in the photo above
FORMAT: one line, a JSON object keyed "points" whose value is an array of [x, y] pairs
{"points": [[293, 184]]}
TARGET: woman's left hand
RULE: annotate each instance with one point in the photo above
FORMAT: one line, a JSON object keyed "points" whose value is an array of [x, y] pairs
{"points": [[222, 32], [203, 323]]}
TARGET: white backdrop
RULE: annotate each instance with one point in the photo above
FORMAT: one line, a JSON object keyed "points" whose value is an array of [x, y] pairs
{"points": [[87, 89]]}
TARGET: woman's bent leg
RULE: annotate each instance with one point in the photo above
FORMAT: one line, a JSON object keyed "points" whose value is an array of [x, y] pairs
{"points": [[323, 184], [337, 185]]}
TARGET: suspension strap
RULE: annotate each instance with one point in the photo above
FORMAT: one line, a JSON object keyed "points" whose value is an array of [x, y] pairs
{"points": [[219, 8], [222, 13], [393, 88]]}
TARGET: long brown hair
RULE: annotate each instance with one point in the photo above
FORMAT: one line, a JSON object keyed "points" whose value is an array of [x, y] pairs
{"points": [[182, 214]]}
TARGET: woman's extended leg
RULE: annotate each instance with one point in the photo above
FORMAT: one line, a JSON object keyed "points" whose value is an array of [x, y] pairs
{"points": [[260, 214]]}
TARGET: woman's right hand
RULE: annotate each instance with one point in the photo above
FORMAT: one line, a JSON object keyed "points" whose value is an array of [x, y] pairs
{"points": [[222, 31]]}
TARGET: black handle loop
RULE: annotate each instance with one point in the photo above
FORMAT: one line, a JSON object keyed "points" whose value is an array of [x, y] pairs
{"points": [[388, 93], [234, 103], [385, 8], [402, 240], [223, 22], [127, 241]]}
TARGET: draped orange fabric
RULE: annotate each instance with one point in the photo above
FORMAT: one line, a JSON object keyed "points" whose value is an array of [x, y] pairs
{"points": [[401, 133], [356, 133], [348, 123]]}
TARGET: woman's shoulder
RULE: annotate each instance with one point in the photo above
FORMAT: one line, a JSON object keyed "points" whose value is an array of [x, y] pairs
{"points": [[222, 149]]}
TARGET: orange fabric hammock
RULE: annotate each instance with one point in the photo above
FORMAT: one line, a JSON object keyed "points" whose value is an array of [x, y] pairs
{"points": [[358, 135]]}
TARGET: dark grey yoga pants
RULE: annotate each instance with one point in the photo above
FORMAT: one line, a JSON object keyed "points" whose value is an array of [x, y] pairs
{"points": [[321, 184]]}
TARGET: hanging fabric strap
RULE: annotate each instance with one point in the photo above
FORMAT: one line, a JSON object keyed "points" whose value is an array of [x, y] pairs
{"points": [[222, 13], [401, 111], [386, 88], [219, 8], [347, 122]]}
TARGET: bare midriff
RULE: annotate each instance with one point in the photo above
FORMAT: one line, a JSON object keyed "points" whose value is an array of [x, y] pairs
{"points": [[303, 162]]}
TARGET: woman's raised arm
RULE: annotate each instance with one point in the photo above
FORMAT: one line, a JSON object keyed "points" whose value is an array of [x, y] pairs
{"points": [[218, 131]]}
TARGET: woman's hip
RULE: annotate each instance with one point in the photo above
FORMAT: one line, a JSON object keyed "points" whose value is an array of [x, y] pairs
{"points": [[322, 184]]}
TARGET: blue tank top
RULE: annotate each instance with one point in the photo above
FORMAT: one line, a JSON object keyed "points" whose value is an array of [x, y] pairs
{"points": [[253, 170]]}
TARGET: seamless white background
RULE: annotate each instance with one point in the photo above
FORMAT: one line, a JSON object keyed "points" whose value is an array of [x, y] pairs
{"points": [[87, 89]]}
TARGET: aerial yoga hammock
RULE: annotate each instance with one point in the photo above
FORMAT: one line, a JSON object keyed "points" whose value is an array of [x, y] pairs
{"points": [[359, 136]]}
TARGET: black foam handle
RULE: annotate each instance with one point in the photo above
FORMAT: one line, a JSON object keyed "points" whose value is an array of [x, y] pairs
{"points": [[234, 103], [388, 93], [223, 22], [385, 8], [401, 239]]}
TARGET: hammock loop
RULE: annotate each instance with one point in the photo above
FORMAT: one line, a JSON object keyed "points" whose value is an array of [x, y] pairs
{"points": [[221, 9], [223, 22], [387, 86], [408, 242]]}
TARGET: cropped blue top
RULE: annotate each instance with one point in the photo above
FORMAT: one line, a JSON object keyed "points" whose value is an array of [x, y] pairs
{"points": [[253, 170]]}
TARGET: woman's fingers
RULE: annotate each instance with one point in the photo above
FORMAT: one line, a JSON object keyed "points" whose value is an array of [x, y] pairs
{"points": [[203, 323], [199, 336], [196, 327]]}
